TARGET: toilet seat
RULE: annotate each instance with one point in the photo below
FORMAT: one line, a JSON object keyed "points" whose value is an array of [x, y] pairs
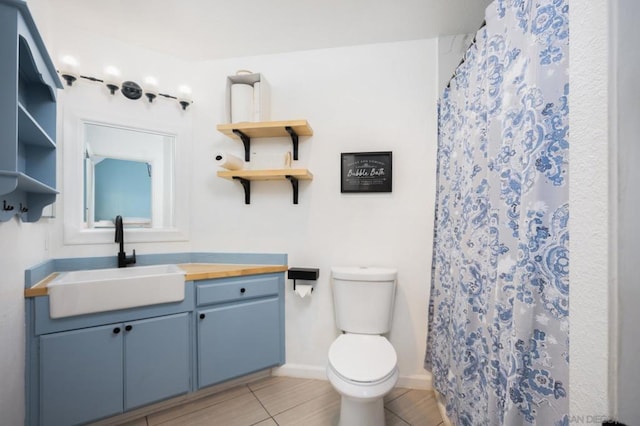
{"points": [[362, 358]]}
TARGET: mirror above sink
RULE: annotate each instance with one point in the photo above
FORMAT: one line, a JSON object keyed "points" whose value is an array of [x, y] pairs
{"points": [[122, 169], [130, 159]]}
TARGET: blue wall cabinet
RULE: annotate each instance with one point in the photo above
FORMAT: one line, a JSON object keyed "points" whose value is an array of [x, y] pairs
{"points": [[101, 371], [240, 326], [27, 116]]}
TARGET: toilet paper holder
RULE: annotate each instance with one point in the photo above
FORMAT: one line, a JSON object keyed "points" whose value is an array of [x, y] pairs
{"points": [[305, 274]]}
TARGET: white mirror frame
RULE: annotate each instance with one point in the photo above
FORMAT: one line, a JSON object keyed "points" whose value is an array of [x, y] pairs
{"points": [[75, 229]]}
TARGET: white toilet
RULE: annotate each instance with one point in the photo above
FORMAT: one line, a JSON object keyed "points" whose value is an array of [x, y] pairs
{"points": [[363, 366]]}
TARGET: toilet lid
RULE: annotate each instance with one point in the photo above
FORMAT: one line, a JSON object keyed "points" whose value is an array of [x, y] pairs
{"points": [[362, 357]]}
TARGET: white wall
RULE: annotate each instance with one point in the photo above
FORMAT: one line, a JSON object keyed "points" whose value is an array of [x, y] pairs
{"points": [[366, 98], [23, 245], [590, 216], [625, 34]]}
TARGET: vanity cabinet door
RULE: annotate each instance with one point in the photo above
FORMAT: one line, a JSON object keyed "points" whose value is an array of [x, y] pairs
{"points": [[157, 353], [238, 339], [81, 375]]}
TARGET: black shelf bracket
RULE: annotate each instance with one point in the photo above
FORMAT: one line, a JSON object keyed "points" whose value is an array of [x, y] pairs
{"points": [[246, 184], [246, 141], [294, 186], [294, 141]]}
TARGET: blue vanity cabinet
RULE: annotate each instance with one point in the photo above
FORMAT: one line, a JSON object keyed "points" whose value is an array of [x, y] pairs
{"points": [[88, 367], [27, 116], [240, 326], [80, 375], [157, 354], [97, 372]]}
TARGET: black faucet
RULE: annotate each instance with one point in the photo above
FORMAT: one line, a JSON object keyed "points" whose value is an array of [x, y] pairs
{"points": [[123, 260]]}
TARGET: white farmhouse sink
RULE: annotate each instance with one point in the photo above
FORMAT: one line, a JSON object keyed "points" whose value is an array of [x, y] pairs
{"points": [[98, 290]]}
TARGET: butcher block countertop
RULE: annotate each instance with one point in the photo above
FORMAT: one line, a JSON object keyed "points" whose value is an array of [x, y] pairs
{"points": [[205, 271], [194, 272]]}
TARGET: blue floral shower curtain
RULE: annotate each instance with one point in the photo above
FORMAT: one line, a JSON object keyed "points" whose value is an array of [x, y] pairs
{"points": [[498, 343]]}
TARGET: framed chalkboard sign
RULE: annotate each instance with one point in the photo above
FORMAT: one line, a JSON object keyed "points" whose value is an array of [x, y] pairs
{"points": [[366, 172]]}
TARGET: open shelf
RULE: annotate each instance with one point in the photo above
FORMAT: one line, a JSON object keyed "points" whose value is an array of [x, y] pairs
{"points": [[245, 131], [28, 119], [246, 176], [30, 131], [267, 174], [11, 181], [23, 196], [266, 129]]}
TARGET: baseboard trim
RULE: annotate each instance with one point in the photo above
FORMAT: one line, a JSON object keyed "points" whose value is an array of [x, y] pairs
{"points": [[301, 371], [306, 371], [416, 381], [443, 409]]}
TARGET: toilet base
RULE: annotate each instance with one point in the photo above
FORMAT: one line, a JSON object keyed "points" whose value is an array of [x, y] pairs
{"points": [[362, 404], [354, 412]]}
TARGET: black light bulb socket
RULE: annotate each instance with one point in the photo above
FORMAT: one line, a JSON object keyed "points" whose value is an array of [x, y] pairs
{"points": [[69, 79], [150, 96], [184, 104], [113, 88]]}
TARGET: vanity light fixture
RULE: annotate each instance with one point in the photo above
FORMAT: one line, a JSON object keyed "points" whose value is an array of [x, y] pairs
{"points": [[69, 69], [130, 89], [112, 79], [185, 96], [150, 88]]}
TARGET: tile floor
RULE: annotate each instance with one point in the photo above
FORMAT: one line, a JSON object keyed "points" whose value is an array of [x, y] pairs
{"points": [[289, 401]]}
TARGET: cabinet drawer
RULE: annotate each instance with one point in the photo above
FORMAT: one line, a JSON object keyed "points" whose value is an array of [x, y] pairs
{"points": [[226, 291]]}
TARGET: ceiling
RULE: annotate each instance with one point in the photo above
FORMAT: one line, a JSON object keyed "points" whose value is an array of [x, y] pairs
{"points": [[215, 29]]}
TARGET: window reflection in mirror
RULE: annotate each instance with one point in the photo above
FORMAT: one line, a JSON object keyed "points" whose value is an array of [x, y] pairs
{"points": [[121, 187], [128, 172]]}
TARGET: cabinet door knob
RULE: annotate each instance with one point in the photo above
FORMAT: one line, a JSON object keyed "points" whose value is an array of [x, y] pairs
{"points": [[202, 316], [128, 327], [242, 290], [116, 330]]}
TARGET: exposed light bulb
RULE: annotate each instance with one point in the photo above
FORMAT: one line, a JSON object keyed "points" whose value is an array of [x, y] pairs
{"points": [[151, 83], [69, 69], [184, 91], [112, 78], [150, 88], [112, 72], [69, 62], [184, 96]]}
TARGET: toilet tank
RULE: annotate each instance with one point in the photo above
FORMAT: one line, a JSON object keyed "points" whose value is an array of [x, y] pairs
{"points": [[363, 299]]}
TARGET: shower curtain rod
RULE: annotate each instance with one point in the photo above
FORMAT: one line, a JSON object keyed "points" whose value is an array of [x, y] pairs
{"points": [[484, 23]]}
